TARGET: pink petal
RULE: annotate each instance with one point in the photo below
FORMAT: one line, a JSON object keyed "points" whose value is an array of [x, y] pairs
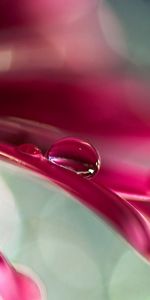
{"points": [[15, 285]]}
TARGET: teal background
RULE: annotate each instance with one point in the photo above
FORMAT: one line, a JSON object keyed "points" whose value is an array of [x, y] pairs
{"points": [[73, 252]]}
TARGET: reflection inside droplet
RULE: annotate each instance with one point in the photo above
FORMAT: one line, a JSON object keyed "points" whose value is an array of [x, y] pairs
{"points": [[75, 155]]}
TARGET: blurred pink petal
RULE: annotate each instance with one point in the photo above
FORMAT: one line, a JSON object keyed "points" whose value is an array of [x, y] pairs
{"points": [[15, 285], [64, 35]]}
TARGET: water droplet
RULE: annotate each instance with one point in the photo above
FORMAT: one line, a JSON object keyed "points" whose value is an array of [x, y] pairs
{"points": [[75, 155], [30, 149]]}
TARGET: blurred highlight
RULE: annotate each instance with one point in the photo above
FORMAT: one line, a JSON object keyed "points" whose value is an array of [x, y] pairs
{"points": [[10, 221]]}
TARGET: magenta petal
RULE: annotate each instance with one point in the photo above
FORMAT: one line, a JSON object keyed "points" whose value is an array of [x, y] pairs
{"points": [[16, 286], [28, 288]]}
